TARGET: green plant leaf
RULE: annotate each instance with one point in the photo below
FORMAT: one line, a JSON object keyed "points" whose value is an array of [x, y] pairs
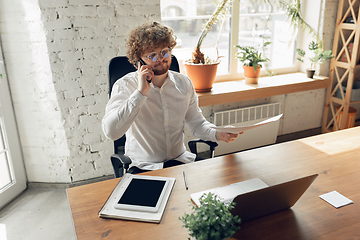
{"points": [[300, 52], [313, 46], [319, 56], [266, 44], [250, 56], [212, 220]]}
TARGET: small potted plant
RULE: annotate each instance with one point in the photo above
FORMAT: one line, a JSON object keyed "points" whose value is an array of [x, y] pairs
{"points": [[201, 69], [212, 220], [319, 56], [251, 59]]}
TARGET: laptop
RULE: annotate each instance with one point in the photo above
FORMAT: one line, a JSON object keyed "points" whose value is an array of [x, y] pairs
{"points": [[272, 199], [254, 198], [229, 192]]}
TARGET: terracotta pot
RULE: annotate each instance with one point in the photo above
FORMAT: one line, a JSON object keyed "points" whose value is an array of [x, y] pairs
{"points": [[251, 77], [202, 76]]}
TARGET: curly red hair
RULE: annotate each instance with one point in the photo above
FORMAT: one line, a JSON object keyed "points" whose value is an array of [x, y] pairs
{"points": [[148, 36]]}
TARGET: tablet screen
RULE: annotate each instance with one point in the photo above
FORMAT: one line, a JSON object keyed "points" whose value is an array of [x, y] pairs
{"points": [[142, 192]]}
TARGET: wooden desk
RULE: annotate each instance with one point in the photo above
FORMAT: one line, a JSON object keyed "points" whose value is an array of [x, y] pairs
{"points": [[334, 156]]}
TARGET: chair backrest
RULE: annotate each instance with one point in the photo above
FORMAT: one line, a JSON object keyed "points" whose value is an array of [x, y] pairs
{"points": [[119, 67]]}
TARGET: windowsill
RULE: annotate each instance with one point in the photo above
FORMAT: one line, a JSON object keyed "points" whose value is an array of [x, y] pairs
{"points": [[234, 91]]}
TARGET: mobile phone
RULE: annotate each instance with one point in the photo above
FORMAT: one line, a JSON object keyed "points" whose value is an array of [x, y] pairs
{"points": [[143, 63]]}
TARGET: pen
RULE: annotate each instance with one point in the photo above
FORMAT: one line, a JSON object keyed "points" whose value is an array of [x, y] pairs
{"points": [[186, 186]]}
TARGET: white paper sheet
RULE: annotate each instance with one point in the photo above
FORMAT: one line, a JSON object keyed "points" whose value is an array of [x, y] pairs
{"points": [[336, 199], [233, 129]]}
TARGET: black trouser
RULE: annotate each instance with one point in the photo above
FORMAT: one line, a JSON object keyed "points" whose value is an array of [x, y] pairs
{"points": [[170, 163]]}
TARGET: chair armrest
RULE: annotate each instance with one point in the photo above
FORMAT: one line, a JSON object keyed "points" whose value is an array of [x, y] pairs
{"points": [[193, 148], [120, 163]]}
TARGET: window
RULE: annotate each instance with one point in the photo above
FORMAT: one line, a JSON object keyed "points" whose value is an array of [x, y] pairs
{"points": [[12, 170], [250, 24]]}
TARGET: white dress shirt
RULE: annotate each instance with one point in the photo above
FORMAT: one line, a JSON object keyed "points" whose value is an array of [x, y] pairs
{"points": [[154, 124]]}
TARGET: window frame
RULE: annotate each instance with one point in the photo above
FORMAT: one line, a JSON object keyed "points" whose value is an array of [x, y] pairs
{"points": [[234, 74], [233, 64], [12, 146]]}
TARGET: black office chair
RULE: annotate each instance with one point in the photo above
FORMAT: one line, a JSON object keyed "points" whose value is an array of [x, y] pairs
{"points": [[118, 67]]}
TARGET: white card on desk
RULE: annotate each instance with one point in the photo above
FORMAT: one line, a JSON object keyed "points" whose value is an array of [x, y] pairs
{"points": [[336, 199]]}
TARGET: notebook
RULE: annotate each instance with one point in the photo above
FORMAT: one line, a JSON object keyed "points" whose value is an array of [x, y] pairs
{"points": [[261, 200], [138, 198]]}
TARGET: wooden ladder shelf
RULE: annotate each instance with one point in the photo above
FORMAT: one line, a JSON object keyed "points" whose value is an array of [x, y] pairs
{"points": [[344, 67]]}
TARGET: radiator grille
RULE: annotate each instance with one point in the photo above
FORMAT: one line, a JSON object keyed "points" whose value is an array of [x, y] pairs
{"points": [[242, 115], [260, 136]]}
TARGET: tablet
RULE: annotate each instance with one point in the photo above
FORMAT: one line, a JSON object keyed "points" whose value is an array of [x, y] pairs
{"points": [[142, 193]]}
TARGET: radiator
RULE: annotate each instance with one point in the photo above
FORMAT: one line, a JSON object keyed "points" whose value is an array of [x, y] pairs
{"points": [[260, 136]]}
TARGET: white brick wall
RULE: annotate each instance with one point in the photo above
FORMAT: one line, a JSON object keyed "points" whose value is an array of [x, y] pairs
{"points": [[56, 54]]}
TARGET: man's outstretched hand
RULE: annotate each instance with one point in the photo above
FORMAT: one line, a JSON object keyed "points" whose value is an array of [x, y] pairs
{"points": [[226, 137]]}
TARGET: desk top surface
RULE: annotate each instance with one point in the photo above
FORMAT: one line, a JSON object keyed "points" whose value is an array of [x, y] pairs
{"points": [[334, 156]]}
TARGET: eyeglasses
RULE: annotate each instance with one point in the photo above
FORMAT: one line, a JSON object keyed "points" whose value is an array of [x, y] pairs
{"points": [[165, 53]]}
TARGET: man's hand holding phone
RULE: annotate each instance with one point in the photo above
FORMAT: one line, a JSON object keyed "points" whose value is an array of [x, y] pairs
{"points": [[145, 75]]}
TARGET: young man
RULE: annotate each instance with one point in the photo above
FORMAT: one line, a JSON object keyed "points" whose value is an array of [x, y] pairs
{"points": [[153, 104]]}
